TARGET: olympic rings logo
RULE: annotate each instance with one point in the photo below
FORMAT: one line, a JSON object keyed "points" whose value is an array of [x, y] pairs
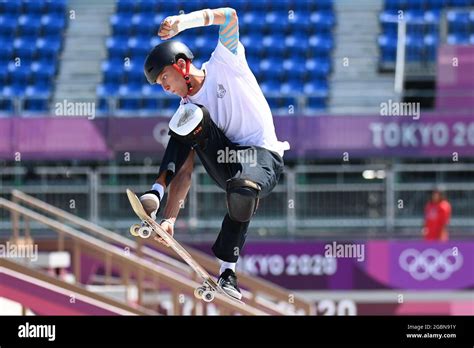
{"points": [[430, 263]]}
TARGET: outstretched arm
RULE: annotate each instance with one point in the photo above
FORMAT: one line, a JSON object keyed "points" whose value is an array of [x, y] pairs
{"points": [[225, 17], [178, 190]]}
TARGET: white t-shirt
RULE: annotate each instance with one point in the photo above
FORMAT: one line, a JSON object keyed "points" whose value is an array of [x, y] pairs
{"points": [[235, 101]]}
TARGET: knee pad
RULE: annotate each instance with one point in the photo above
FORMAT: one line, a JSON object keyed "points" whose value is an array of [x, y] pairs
{"points": [[190, 124], [242, 199]]}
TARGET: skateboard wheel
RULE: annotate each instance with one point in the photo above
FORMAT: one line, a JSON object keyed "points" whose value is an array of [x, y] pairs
{"points": [[144, 232], [207, 296], [134, 230], [198, 292]]}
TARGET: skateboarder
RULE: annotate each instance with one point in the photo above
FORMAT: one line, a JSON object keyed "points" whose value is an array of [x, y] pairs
{"points": [[225, 119]]}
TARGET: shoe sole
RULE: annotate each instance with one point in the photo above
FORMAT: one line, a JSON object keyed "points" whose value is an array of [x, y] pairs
{"points": [[231, 292]]}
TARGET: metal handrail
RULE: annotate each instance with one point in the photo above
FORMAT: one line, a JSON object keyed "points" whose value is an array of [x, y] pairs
{"points": [[130, 265], [256, 287]]}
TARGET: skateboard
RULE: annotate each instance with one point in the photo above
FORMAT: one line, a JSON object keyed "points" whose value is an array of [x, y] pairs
{"points": [[148, 226]]}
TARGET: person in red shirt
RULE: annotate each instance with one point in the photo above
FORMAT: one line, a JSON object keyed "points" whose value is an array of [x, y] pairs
{"points": [[437, 215]]}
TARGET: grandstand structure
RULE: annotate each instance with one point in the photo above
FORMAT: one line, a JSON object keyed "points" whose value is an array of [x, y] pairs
{"points": [[31, 39]]}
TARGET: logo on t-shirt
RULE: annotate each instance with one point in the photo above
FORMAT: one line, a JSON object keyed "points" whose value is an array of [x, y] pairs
{"points": [[185, 117], [220, 91]]}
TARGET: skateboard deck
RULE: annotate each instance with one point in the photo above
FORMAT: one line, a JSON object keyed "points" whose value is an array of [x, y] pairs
{"points": [[150, 226]]}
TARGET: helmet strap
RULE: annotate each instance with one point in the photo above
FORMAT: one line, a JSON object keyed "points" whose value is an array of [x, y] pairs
{"points": [[185, 75]]}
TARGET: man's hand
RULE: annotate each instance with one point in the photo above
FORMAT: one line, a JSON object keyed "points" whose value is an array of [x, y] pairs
{"points": [[169, 228], [169, 27]]}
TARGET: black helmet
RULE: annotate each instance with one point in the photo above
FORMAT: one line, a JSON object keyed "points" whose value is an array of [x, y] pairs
{"points": [[164, 54]]}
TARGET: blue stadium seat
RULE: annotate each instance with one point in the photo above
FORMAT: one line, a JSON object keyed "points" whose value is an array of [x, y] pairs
{"points": [[126, 6], [138, 46], [388, 47], [52, 24], [316, 87], [154, 98], [200, 43], [19, 72], [253, 44], [392, 5], [8, 25], [321, 20], [6, 103], [42, 72], [433, 16], [112, 72], [56, 7], [417, 5], [146, 6], [35, 7], [108, 89], [24, 49], [326, 5], [48, 47], [274, 21], [292, 87], [317, 103], [458, 22], [294, 70], [320, 45], [272, 68], [317, 68], [29, 25], [6, 52], [389, 24], [298, 22], [117, 46], [128, 97], [431, 43], [47, 60], [15, 89], [195, 5], [170, 6], [414, 48], [259, 6], [133, 74], [270, 86], [458, 39], [317, 93], [297, 45], [251, 22], [283, 103], [36, 99], [460, 3], [142, 26], [105, 91], [436, 4], [121, 24], [3, 75], [274, 45], [415, 16], [282, 6], [12, 8]]}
